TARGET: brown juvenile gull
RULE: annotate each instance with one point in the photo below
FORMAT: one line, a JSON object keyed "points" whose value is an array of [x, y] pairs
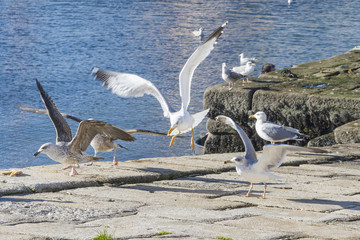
{"points": [[257, 170], [230, 76], [273, 132], [130, 85], [68, 150], [100, 143]]}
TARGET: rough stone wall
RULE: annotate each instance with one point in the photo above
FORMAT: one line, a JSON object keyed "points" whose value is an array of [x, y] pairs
{"points": [[313, 115]]}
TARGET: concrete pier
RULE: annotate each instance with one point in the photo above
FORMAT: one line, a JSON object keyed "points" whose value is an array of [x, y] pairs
{"points": [[191, 197]]}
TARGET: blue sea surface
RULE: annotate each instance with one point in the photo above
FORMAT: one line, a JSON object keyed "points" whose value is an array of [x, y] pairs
{"points": [[58, 43]]}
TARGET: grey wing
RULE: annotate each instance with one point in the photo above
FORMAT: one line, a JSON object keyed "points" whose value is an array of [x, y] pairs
{"points": [[233, 75], [279, 132], [43, 111], [273, 155], [63, 131], [143, 131], [88, 129]]}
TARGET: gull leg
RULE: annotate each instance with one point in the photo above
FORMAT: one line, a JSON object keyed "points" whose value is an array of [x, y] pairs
{"points": [[173, 138], [247, 80], [192, 144], [272, 142], [115, 161], [73, 172], [264, 194], [251, 187]]}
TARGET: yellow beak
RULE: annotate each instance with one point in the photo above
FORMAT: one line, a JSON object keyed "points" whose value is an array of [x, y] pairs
{"points": [[227, 161], [251, 116], [170, 130]]}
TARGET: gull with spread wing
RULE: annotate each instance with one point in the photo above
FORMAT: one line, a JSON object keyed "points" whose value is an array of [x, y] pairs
{"points": [[130, 85], [257, 170], [100, 143], [69, 150]]}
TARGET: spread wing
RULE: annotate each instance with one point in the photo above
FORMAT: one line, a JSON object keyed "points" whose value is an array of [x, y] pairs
{"points": [[131, 85], [193, 62], [43, 111], [88, 129], [143, 131], [273, 155], [250, 153], [63, 131]]}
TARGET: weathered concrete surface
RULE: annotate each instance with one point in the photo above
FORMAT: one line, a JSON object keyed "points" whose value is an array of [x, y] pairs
{"points": [[192, 197], [315, 101]]}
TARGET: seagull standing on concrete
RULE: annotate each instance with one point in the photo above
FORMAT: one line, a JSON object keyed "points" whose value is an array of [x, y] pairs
{"points": [[100, 143], [273, 132], [130, 85], [230, 76], [257, 170], [68, 150]]}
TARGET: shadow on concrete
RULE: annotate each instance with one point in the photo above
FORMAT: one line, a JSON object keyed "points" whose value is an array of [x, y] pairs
{"points": [[344, 204], [12, 199]]}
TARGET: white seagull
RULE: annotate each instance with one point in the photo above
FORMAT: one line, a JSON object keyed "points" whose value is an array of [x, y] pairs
{"points": [[244, 60], [257, 170], [245, 70], [230, 76], [130, 85], [273, 132], [198, 33], [68, 150], [100, 143]]}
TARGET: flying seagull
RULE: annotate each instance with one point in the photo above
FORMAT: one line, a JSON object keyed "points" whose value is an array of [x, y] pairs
{"points": [[69, 150], [230, 76], [257, 170], [273, 132], [130, 85], [100, 143]]}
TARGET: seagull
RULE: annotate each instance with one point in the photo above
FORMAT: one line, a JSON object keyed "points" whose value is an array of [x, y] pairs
{"points": [[100, 143], [130, 85], [273, 132], [244, 60], [257, 170], [198, 33], [245, 70], [70, 150], [230, 76]]}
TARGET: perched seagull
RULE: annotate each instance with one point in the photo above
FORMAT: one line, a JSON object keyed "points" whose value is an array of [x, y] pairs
{"points": [[244, 60], [198, 33], [70, 150], [230, 76], [245, 70], [100, 143], [257, 170], [130, 85], [273, 132]]}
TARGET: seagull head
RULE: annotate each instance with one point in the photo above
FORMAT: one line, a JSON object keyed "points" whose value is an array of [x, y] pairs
{"points": [[259, 116], [239, 161], [45, 148]]}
